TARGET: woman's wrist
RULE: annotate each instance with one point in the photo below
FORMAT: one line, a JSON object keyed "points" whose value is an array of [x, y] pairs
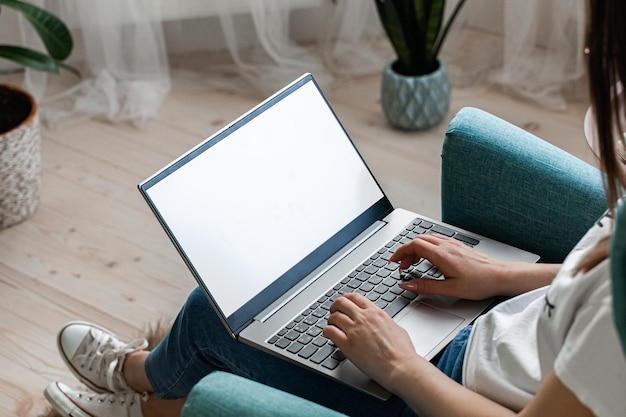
{"points": [[404, 377], [521, 277]]}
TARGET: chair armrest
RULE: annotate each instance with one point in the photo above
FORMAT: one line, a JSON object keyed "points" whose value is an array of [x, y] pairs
{"points": [[221, 394], [504, 183]]}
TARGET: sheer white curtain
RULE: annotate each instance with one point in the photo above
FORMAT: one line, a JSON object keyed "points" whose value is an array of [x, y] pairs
{"points": [[120, 51], [127, 48], [533, 48]]}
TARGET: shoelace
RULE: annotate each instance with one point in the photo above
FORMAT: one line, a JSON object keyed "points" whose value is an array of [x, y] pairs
{"points": [[105, 354], [126, 398]]}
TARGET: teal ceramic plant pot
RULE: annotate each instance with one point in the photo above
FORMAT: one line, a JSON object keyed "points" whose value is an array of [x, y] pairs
{"points": [[415, 102]]}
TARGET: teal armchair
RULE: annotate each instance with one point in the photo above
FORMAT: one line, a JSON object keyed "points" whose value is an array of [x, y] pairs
{"points": [[497, 180]]}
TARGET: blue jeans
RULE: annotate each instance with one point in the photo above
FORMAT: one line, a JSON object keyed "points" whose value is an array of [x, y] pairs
{"points": [[198, 344]]}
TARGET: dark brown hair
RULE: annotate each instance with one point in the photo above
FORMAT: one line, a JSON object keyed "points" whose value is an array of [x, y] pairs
{"points": [[606, 67]]}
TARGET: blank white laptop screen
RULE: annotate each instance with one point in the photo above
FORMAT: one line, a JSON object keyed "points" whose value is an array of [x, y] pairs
{"points": [[253, 204]]}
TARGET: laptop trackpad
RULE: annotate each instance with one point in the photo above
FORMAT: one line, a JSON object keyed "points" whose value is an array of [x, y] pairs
{"points": [[427, 326]]}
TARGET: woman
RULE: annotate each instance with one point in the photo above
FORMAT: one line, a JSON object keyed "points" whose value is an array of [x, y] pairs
{"points": [[549, 350]]}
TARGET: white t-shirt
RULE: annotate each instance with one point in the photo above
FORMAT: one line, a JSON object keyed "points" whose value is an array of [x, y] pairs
{"points": [[567, 327]]}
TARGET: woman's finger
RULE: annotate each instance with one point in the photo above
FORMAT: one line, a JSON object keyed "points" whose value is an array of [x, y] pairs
{"points": [[411, 252], [429, 286], [334, 333], [359, 300]]}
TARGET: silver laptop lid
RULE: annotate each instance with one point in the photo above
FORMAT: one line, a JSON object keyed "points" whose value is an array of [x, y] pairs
{"points": [[256, 207]]}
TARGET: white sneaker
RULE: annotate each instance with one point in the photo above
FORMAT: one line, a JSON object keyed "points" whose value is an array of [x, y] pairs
{"points": [[71, 403], [96, 356]]}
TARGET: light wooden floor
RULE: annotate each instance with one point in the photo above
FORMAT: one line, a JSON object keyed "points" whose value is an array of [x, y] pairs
{"points": [[93, 251]]}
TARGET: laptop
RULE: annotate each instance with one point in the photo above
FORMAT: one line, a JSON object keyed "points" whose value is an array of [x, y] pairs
{"points": [[277, 215]]}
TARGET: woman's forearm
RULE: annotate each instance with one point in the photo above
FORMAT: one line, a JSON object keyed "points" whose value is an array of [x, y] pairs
{"points": [[521, 277], [429, 393]]}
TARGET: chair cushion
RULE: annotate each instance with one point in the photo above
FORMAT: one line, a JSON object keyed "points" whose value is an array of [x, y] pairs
{"points": [[222, 394]]}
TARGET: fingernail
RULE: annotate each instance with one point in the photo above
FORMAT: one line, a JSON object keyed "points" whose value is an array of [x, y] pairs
{"points": [[411, 286]]}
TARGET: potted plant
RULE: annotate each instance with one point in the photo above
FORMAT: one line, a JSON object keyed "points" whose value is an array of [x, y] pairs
{"points": [[20, 138], [415, 90]]}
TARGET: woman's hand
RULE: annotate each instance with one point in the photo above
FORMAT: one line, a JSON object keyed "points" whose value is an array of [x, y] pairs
{"points": [[369, 338], [469, 273], [383, 350]]}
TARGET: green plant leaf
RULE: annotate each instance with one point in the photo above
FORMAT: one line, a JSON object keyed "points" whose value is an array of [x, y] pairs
{"points": [[433, 26], [53, 32], [69, 68], [420, 54], [390, 18], [29, 58]]}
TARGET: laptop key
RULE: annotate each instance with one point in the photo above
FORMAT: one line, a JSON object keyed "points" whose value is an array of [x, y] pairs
{"points": [[389, 297], [466, 239], [311, 320], [381, 288], [386, 256], [373, 296], [363, 276], [371, 270], [314, 331], [423, 266], [302, 327], [380, 263], [396, 305], [308, 351], [354, 283], [384, 273], [375, 280], [396, 290], [390, 282], [331, 363], [320, 341], [292, 335], [409, 295], [442, 230], [420, 230], [283, 343], [425, 224], [295, 347], [322, 354]]}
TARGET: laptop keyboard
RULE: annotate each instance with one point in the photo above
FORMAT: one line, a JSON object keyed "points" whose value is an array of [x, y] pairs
{"points": [[376, 279]]}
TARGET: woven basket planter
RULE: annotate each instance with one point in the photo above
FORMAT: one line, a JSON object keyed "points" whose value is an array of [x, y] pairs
{"points": [[20, 158]]}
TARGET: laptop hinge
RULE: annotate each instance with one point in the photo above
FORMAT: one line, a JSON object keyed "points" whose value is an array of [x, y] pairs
{"points": [[358, 241]]}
